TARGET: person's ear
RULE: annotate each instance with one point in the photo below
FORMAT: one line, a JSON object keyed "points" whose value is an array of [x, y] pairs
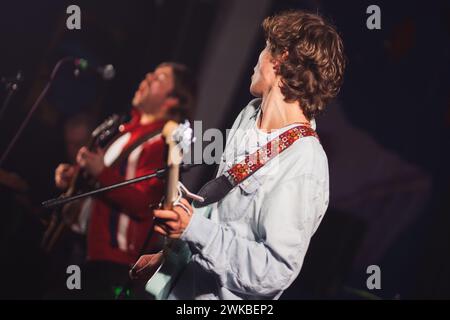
{"points": [[277, 61], [276, 66]]}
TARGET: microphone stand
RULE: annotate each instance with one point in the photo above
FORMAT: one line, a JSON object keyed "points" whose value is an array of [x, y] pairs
{"points": [[159, 173], [33, 108]]}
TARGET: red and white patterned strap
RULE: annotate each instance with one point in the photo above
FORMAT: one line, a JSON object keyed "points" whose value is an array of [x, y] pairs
{"points": [[255, 161]]}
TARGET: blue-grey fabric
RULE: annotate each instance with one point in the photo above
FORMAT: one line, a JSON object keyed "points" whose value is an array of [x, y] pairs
{"points": [[253, 244]]}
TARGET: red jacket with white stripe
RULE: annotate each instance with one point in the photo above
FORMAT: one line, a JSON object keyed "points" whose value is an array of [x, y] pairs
{"points": [[121, 218]]}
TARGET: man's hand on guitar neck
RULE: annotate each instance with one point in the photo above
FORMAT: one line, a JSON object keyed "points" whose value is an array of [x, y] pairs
{"points": [[63, 174], [172, 223], [92, 162]]}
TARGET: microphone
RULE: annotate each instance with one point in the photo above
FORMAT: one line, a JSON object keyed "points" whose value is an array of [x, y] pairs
{"points": [[107, 72], [12, 82]]}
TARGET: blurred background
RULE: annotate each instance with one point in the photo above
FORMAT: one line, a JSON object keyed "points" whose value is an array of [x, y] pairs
{"points": [[386, 136]]}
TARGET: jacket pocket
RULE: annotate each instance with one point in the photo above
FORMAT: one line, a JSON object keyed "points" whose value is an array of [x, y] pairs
{"points": [[238, 202]]}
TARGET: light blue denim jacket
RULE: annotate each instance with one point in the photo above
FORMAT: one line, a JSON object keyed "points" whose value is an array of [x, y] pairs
{"points": [[254, 243]]}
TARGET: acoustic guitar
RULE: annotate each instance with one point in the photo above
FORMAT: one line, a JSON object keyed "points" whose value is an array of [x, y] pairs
{"points": [[62, 218]]}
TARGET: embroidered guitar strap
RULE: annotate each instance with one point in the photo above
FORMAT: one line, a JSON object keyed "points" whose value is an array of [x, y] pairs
{"points": [[218, 188]]}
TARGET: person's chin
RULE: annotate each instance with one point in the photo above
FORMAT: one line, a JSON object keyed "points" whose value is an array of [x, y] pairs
{"points": [[136, 105], [255, 92], [136, 101]]}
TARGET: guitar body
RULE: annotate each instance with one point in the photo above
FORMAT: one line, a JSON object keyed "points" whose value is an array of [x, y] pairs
{"points": [[62, 218], [173, 263], [59, 224]]}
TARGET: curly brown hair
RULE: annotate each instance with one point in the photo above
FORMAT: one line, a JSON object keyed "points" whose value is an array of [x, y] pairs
{"points": [[310, 56], [185, 90]]}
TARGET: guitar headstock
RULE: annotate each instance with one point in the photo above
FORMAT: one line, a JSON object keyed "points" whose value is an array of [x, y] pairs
{"points": [[106, 129], [179, 139], [183, 136]]}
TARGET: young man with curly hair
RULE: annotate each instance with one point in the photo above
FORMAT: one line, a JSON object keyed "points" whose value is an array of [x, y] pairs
{"points": [[253, 244]]}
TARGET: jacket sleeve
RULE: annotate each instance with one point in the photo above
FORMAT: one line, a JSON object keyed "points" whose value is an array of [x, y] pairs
{"points": [[266, 266]]}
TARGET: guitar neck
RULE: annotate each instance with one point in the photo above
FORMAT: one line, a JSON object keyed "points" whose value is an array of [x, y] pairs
{"points": [[174, 157], [171, 187]]}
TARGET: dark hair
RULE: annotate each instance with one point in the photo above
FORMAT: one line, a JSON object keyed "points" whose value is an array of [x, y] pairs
{"points": [[313, 68], [184, 90]]}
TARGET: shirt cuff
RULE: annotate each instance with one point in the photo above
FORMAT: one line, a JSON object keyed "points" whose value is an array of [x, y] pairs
{"points": [[198, 232]]}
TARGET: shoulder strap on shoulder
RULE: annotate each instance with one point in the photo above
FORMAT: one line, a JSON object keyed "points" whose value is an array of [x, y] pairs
{"points": [[219, 187]]}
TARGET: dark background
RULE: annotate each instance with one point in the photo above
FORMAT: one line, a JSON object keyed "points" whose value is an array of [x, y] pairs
{"points": [[386, 135]]}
